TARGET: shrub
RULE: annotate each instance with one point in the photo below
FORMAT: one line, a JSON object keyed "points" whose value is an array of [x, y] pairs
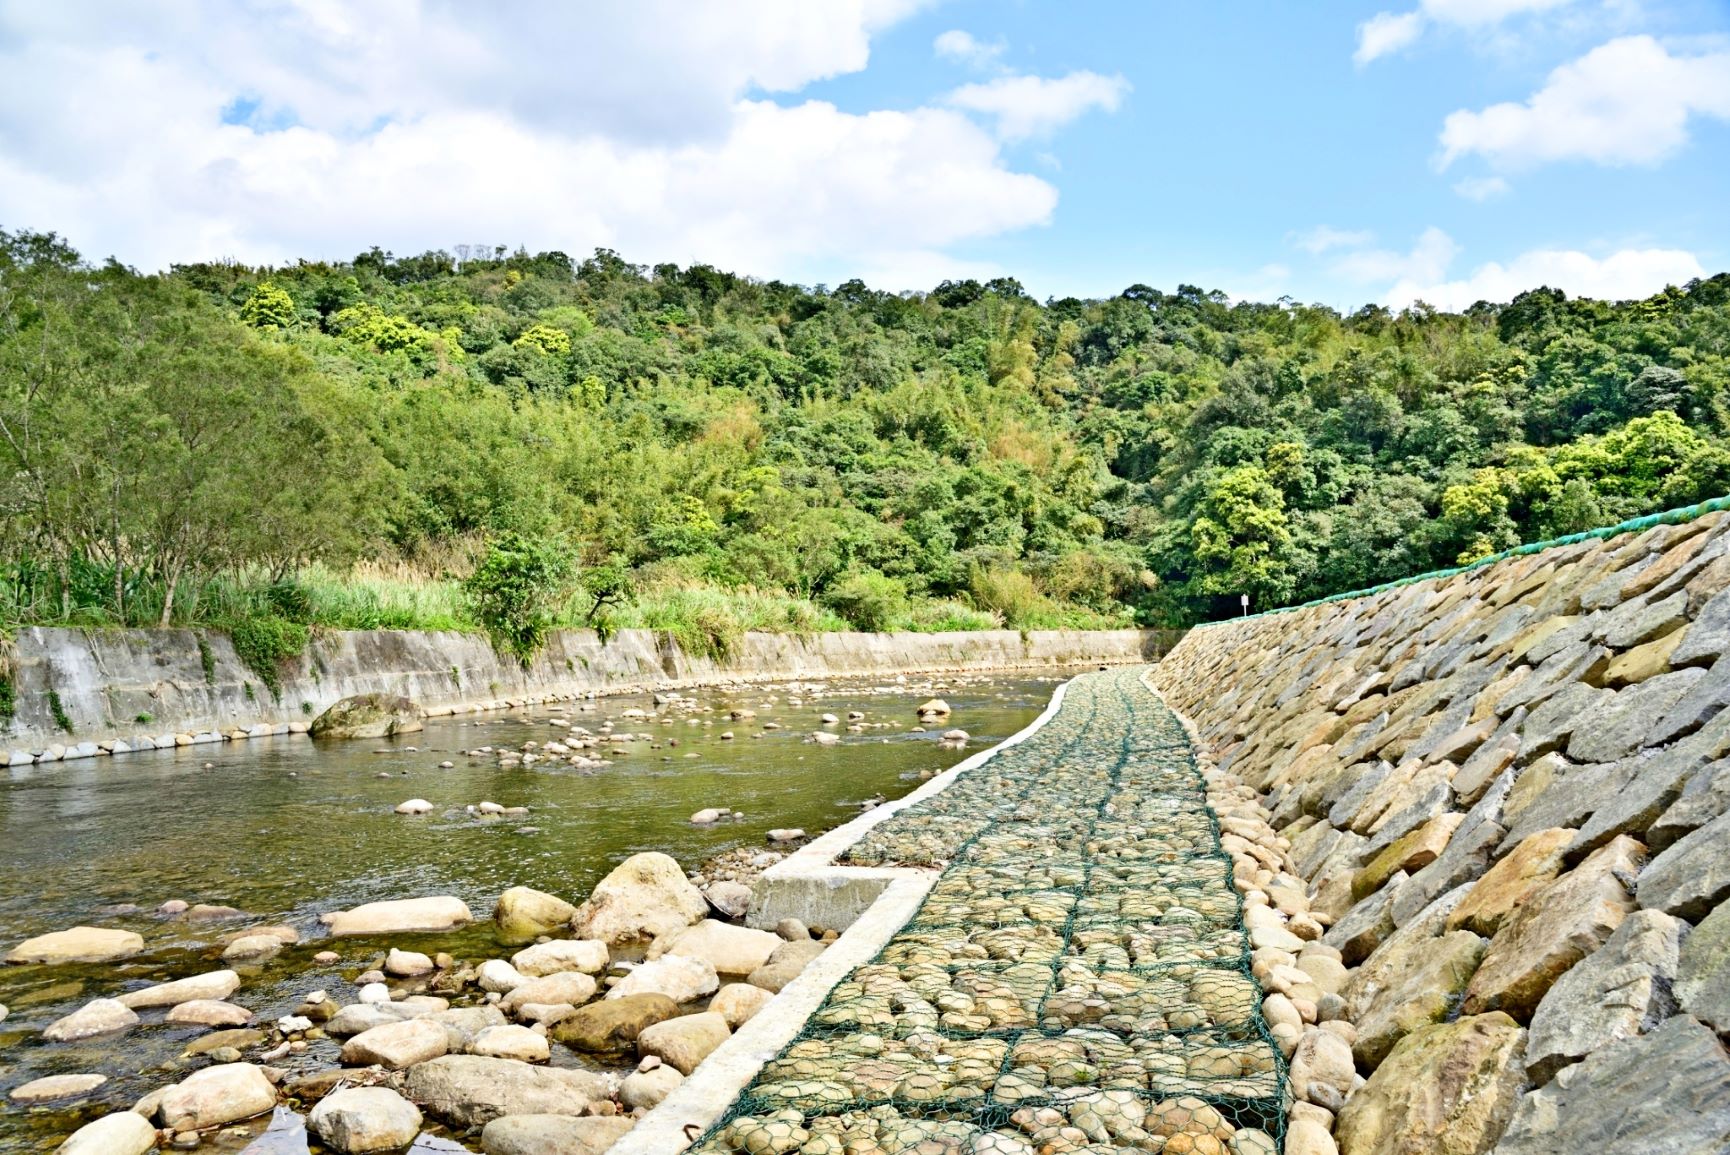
{"points": [[265, 643], [1009, 594], [518, 590], [869, 600]]}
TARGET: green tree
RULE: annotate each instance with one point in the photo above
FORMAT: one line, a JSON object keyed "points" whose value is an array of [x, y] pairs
{"points": [[519, 589]]}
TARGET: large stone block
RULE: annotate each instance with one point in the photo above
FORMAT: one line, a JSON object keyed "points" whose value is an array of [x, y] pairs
{"points": [[1693, 876], [1554, 929], [1622, 989], [1664, 1093], [1703, 970], [1447, 1089], [1527, 869]]}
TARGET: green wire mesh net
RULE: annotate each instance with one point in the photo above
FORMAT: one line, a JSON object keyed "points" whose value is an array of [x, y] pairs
{"points": [[1076, 983]]}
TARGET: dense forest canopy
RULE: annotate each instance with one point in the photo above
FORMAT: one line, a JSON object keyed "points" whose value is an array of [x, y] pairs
{"points": [[1147, 457]]}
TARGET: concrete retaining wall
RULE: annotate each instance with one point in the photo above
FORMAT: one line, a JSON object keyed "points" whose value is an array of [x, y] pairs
{"points": [[129, 685]]}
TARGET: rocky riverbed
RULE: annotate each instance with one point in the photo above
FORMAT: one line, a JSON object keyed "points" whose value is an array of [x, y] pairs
{"points": [[373, 983]]}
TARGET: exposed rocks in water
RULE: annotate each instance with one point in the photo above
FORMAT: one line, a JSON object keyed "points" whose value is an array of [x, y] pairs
{"points": [[402, 916], [414, 806], [644, 897], [587, 955], [364, 1120], [211, 985], [122, 1133], [81, 944], [94, 1019], [209, 1013], [368, 716], [733, 950], [55, 1087], [396, 1046], [552, 1135], [732, 899], [684, 1042], [614, 1023], [473, 1090], [679, 979], [214, 1096]]}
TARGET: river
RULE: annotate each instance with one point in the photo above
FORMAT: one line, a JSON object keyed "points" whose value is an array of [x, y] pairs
{"points": [[284, 829]]}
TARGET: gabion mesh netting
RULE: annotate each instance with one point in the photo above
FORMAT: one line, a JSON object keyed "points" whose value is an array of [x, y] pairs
{"points": [[1076, 982]]}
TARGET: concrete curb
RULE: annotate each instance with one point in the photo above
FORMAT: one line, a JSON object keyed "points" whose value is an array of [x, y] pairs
{"points": [[871, 902]]}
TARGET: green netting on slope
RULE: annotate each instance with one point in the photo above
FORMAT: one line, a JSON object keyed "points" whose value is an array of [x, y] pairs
{"points": [[1678, 516], [1076, 981]]}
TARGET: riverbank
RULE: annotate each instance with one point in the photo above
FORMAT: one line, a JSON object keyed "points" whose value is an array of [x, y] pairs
{"points": [[305, 830], [88, 693]]}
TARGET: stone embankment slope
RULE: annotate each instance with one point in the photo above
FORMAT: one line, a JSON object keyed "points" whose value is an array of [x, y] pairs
{"points": [[1508, 796], [1078, 980]]}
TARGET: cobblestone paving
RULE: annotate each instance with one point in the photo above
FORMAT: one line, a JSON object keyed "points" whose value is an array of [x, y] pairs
{"points": [[1077, 981]]}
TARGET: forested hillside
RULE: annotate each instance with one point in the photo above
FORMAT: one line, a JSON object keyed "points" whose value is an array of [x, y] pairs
{"points": [[174, 444]]}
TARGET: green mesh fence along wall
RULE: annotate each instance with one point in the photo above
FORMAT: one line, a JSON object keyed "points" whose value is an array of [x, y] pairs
{"points": [[1676, 516], [1076, 982]]}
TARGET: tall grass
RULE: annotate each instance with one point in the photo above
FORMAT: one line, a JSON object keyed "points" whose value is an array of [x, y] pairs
{"points": [[401, 595]]}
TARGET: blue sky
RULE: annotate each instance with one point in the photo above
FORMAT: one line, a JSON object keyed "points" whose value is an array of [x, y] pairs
{"points": [[1441, 150]]}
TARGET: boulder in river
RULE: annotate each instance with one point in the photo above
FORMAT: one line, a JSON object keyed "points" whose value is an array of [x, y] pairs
{"points": [[614, 1023], [362, 1120], [397, 1046], [524, 914], [81, 944], [732, 899], [368, 716], [96, 1018], [568, 954], [738, 1002], [209, 1013], [402, 916], [473, 1090], [407, 963], [932, 708], [571, 988], [214, 1096], [685, 1041], [644, 897], [122, 1133], [511, 1042], [731, 950], [55, 1087], [211, 985], [680, 979], [553, 1134]]}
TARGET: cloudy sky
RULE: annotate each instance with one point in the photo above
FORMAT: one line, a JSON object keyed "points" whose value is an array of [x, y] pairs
{"points": [[1444, 150]]}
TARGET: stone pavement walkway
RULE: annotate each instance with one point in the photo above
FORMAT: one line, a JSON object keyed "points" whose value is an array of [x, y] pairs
{"points": [[1076, 982]]}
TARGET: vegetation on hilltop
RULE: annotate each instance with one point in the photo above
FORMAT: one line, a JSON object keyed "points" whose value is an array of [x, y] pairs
{"points": [[696, 451]]}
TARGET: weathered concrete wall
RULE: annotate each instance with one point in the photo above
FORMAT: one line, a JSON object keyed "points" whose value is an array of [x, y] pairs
{"points": [[1509, 796], [106, 680]]}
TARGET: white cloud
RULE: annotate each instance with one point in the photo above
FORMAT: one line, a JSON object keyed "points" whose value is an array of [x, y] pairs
{"points": [[1386, 32], [1030, 106], [1428, 260], [429, 124], [1477, 13], [1324, 237], [1625, 102], [965, 48], [1481, 188], [1630, 273]]}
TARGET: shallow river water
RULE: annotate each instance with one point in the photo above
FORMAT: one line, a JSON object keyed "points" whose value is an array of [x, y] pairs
{"points": [[285, 829]]}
